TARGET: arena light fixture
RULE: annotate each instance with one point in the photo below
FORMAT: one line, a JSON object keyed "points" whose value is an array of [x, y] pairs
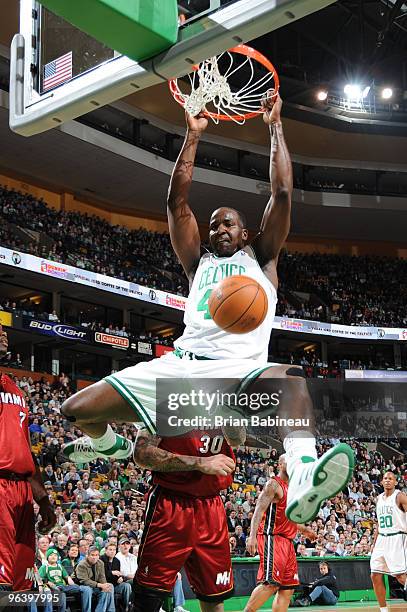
{"points": [[353, 91], [322, 95], [387, 93]]}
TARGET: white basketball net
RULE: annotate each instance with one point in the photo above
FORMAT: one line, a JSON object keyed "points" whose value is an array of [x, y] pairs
{"points": [[208, 85]]}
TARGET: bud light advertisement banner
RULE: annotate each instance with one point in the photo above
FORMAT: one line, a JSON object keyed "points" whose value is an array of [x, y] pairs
{"points": [[48, 328]]}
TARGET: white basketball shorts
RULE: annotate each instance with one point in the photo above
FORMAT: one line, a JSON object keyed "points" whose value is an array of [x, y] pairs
{"points": [[389, 555], [137, 384]]}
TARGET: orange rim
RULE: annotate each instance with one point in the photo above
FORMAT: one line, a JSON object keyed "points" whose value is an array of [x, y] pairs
{"points": [[243, 50]]}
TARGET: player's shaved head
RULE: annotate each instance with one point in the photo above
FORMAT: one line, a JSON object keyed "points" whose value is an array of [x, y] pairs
{"points": [[282, 465], [227, 231], [240, 216]]}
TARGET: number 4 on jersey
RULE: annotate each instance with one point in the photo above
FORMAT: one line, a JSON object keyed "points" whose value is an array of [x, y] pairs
{"points": [[203, 304]]}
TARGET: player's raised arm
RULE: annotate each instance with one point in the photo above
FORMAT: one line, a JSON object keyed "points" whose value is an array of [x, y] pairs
{"points": [[184, 230], [149, 456], [275, 224], [272, 492]]}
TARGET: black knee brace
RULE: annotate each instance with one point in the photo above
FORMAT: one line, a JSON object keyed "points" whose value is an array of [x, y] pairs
{"points": [[145, 599], [296, 371]]}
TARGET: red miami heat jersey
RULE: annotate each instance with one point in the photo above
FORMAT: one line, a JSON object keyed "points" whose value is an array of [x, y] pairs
{"points": [[15, 455], [195, 483], [274, 521]]}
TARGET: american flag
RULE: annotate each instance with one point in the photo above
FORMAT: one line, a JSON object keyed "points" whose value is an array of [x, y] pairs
{"points": [[58, 71]]}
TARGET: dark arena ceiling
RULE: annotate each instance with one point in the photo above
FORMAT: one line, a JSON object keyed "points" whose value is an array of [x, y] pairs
{"points": [[349, 41]]}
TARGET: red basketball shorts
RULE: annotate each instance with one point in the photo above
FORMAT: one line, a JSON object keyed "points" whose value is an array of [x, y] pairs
{"points": [[278, 563], [17, 535], [189, 532]]}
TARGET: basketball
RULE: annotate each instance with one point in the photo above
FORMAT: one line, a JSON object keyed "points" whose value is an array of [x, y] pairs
{"points": [[238, 304]]}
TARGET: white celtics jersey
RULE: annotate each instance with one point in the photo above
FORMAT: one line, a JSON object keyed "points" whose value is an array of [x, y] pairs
{"points": [[201, 336], [390, 518]]}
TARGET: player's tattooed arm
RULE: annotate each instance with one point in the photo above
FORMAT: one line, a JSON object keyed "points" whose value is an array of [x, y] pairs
{"points": [[234, 436], [272, 492], [148, 455], [184, 231], [275, 224]]}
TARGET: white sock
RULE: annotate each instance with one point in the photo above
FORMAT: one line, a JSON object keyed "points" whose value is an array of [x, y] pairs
{"points": [[386, 609], [300, 448], [106, 441]]}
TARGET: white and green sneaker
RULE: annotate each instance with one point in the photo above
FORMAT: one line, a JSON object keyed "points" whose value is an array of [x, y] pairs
{"points": [[314, 482], [82, 450]]}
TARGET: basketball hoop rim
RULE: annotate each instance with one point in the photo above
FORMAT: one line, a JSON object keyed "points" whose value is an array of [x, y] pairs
{"points": [[243, 50]]}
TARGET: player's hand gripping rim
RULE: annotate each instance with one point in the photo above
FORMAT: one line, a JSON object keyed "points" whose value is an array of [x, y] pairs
{"points": [[271, 105]]}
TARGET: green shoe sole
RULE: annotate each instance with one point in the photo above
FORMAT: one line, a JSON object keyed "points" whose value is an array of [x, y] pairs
{"points": [[330, 477]]}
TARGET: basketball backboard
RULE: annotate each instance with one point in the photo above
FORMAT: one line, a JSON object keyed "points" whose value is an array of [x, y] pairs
{"points": [[58, 73]]}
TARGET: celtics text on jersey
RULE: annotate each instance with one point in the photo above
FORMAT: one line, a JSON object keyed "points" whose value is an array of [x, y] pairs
{"points": [[201, 335]]}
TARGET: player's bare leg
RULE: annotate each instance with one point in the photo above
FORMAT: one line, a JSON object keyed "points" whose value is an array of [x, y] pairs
{"points": [[379, 589], [92, 409], [282, 600], [259, 596], [312, 480], [206, 606], [402, 578]]}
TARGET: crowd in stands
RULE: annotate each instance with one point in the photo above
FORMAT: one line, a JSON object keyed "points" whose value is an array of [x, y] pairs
{"points": [[348, 187], [11, 360], [326, 185], [352, 290], [89, 242], [315, 367]]}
